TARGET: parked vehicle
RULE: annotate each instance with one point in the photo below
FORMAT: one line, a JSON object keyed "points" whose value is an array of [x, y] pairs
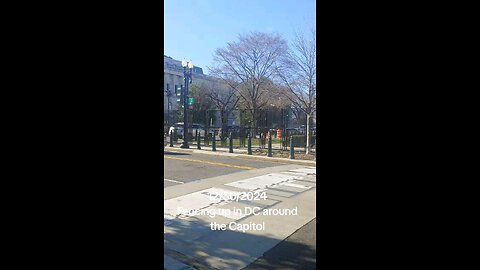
{"points": [[192, 130]]}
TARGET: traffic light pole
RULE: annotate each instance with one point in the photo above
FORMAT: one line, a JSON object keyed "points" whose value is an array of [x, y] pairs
{"points": [[188, 80]]}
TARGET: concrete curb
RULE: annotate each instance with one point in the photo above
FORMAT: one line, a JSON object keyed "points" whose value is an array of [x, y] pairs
{"points": [[222, 153]]}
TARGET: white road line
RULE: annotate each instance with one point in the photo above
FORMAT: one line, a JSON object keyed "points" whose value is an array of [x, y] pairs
{"points": [[173, 181], [308, 170], [261, 182], [197, 200]]}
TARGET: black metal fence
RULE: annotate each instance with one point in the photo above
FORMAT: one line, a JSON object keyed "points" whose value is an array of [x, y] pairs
{"points": [[281, 124]]}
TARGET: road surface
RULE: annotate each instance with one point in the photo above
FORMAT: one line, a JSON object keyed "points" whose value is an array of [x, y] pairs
{"points": [[285, 242]]}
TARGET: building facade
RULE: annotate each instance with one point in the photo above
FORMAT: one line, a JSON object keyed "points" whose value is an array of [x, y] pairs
{"points": [[173, 79]]}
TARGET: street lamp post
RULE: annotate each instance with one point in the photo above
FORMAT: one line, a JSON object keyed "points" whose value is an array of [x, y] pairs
{"points": [[169, 104], [187, 74]]}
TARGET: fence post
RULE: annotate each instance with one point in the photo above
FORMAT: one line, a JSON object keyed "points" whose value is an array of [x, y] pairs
{"points": [[214, 147], [171, 138], [198, 141], [269, 144], [230, 139], [292, 150], [249, 143]]}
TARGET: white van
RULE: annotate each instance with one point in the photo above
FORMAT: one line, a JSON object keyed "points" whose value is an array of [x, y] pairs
{"points": [[194, 128]]}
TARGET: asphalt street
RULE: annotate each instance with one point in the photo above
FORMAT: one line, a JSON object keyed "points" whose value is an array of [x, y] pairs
{"points": [[187, 167], [289, 242]]}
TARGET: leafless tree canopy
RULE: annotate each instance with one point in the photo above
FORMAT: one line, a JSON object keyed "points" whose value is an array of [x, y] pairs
{"points": [[220, 94], [263, 72], [248, 66], [298, 72]]}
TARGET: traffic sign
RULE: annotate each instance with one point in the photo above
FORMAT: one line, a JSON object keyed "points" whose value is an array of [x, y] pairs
{"points": [[191, 101]]}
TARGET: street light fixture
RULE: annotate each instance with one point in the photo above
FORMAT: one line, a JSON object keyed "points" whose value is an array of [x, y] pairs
{"points": [[187, 74]]}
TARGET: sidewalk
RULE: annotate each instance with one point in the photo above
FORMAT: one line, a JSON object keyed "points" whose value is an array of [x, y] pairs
{"points": [[190, 240], [221, 151]]}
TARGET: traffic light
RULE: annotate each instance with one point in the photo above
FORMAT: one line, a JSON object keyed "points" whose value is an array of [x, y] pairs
{"points": [[167, 91], [179, 92]]}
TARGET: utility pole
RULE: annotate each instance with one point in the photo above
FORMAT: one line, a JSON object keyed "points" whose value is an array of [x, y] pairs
{"points": [[187, 74]]}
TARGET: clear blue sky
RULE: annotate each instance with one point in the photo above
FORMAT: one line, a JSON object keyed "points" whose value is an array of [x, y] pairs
{"points": [[194, 29]]}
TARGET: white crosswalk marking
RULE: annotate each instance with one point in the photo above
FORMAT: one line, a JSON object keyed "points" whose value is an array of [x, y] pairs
{"points": [[305, 170], [173, 181], [288, 189], [207, 199], [260, 181], [288, 184], [271, 180], [197, 200]]}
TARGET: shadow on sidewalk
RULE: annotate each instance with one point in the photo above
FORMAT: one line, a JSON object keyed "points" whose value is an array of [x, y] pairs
{"points": [[194, 243]]}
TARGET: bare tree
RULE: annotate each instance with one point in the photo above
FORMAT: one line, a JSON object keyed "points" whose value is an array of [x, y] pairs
{"points": [[202, 103], [298, 72], [222, 96], [248, 66]]}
